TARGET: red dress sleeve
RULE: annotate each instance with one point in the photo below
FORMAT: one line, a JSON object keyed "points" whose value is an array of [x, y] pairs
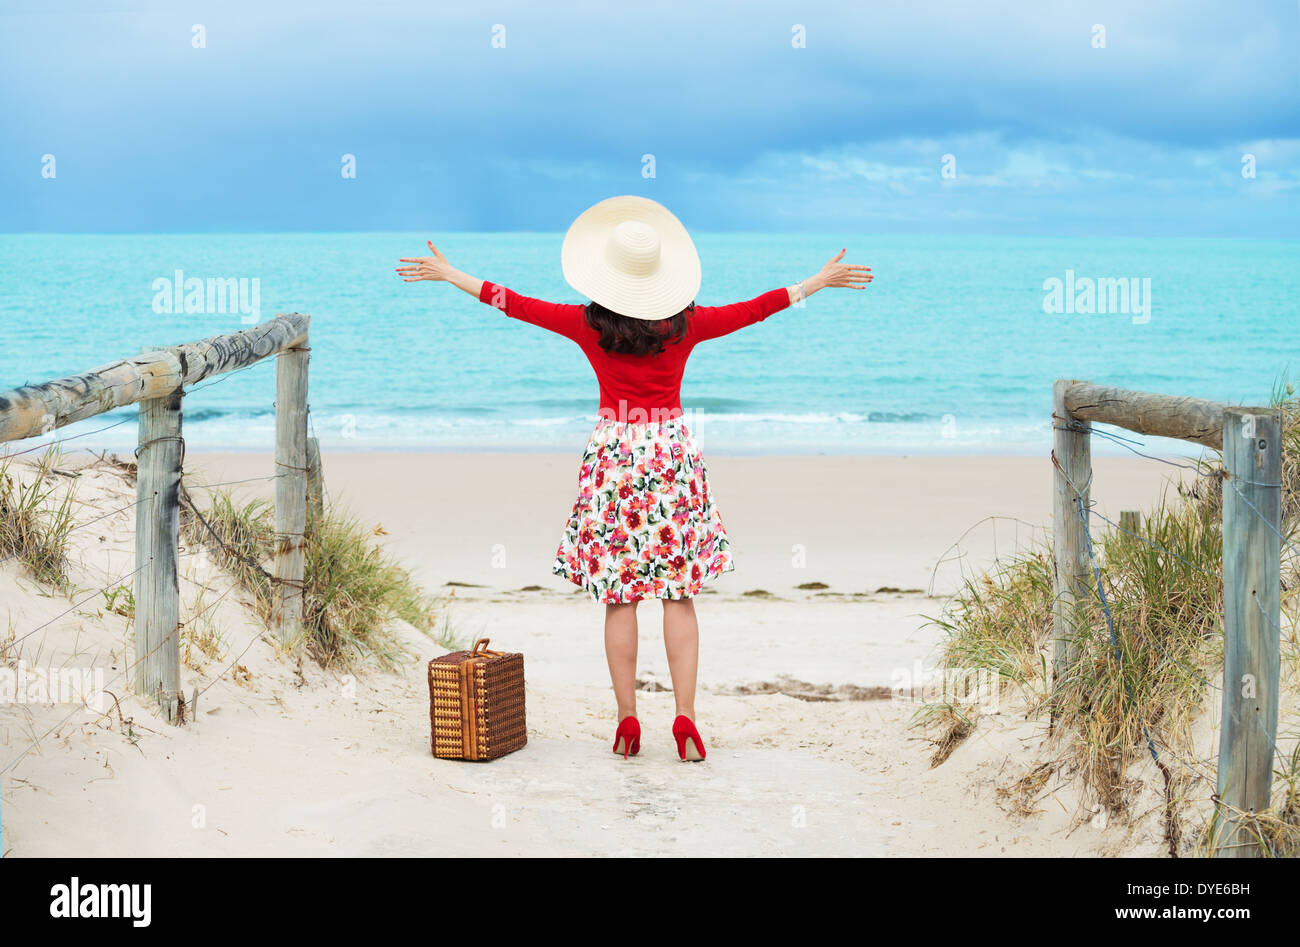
{"points": [[568, 319], [710, 322]]}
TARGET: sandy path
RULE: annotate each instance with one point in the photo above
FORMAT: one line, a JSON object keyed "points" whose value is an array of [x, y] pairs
{"points": [[317, 770], [328, 765], [324, 769]]}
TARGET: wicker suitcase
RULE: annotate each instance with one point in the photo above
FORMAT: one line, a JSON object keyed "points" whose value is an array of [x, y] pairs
{"points": [[476, 703]]}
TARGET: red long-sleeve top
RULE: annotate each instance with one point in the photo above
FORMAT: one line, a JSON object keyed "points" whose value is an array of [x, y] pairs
{"points": [[635, 387]]}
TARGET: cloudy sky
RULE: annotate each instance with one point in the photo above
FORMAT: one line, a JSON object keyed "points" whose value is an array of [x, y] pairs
{"points": [[516, 116]]}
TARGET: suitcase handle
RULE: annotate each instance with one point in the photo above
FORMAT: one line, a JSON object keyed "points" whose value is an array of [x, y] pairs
{"points": [[482, 643]]}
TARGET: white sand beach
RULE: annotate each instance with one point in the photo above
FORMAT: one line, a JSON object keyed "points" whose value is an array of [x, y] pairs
{"points": [[285, 758]]}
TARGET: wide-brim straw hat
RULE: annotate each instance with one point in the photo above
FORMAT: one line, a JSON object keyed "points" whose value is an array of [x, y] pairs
{"points": [[632, 256]]}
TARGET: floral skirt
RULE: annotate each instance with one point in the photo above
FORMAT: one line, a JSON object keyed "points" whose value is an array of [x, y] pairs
{"points": [[644, 524]]}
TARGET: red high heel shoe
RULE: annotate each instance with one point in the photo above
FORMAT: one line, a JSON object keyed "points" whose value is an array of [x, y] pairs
{"points": [[689, 745], [628, 737]]}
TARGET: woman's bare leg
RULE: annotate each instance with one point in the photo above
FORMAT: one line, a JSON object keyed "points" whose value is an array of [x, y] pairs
{"points": [[682, 642], [620, 652]]}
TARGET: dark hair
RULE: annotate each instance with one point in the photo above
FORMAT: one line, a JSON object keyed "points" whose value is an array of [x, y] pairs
{"points": [[628, 336]]}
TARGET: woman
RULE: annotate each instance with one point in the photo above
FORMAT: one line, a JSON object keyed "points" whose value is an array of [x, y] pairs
{"points": [[644, 524]]}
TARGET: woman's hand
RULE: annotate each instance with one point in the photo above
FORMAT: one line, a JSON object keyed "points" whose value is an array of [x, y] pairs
{"points": [[837, 274], [437, 268], [433, 267]]}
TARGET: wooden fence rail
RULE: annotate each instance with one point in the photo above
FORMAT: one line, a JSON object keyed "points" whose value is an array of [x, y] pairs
{"points": [[156, 380], [1188, 419], [1251, 444]]}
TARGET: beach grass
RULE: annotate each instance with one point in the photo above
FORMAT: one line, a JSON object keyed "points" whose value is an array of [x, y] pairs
{"points": [[353, 590], [1143, 678], [35, 520]]}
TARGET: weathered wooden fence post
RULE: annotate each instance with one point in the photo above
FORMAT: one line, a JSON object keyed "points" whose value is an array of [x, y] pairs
{"points": [[290, 488], [315, 487], [157, 522], [156, 380], [1130, 521], [1072, 450], [1252, 555]]}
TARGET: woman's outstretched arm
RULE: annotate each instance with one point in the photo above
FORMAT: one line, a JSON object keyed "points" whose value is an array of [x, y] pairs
{"points": [[565, 319], [436, 267], [710, 322]]}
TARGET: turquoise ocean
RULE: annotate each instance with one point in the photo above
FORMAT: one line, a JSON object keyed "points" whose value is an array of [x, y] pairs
{"points": [[950, 350]]}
